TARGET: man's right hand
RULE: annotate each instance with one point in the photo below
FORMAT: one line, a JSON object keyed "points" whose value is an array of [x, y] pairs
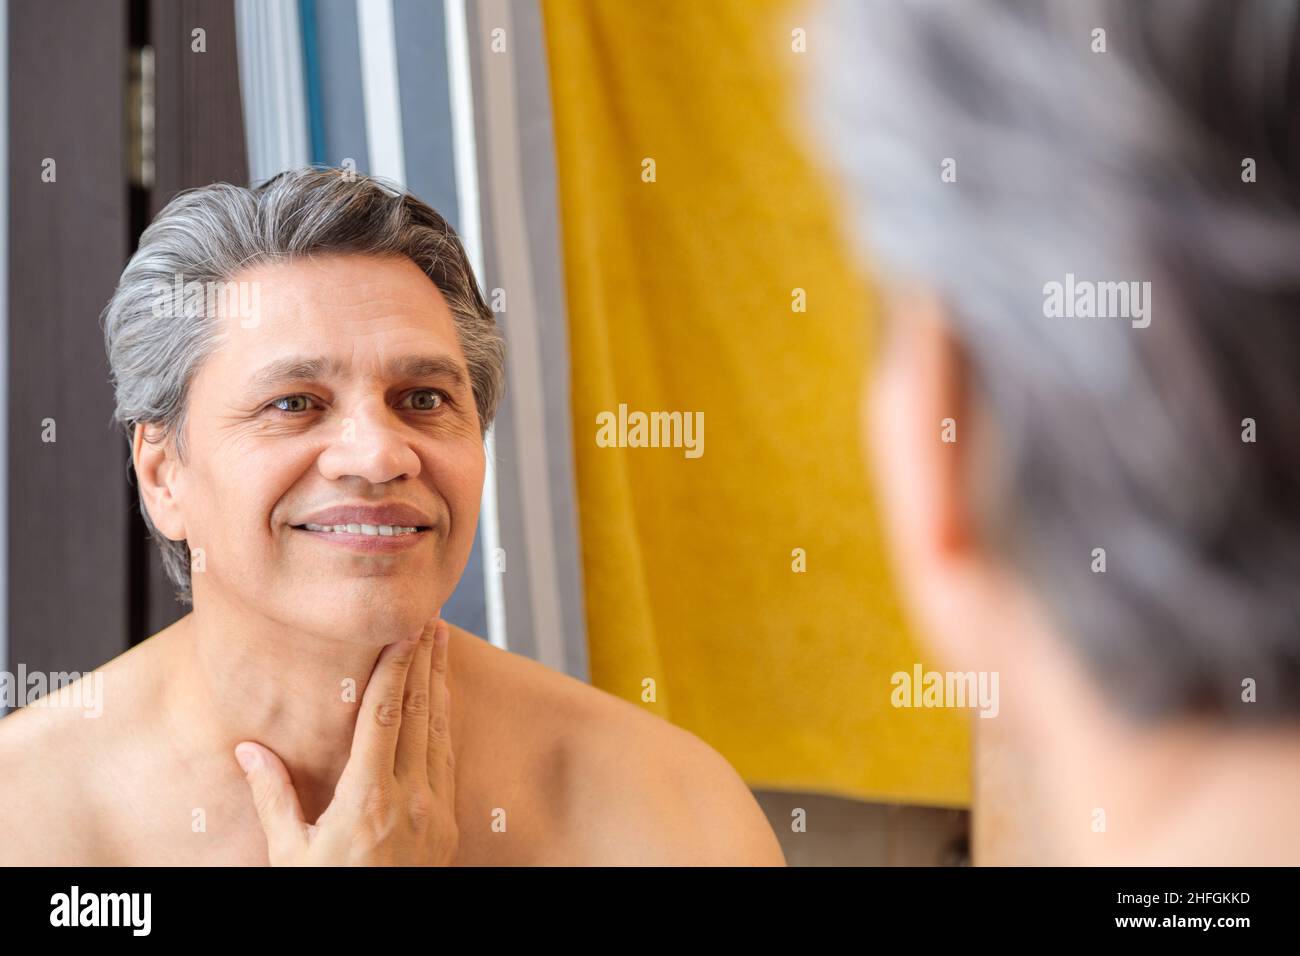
{"points": [[395, 802]]}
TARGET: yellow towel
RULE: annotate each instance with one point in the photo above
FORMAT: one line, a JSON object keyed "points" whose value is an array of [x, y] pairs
{"points": [[683, 278]]}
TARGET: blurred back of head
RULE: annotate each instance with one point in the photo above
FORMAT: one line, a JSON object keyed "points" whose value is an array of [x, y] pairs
{"points": [[1163, 149]]}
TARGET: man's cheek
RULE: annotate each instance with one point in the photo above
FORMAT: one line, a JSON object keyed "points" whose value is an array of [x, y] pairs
{"points": [[461, 495]]}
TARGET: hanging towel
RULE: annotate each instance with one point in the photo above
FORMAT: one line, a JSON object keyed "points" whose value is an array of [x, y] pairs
{"points": [[742, 592]]}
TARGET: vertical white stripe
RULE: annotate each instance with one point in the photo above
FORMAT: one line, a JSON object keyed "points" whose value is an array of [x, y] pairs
{"points": [[272, 88], [490, 540], [528, 403], [460, 87], [465, 154], [379, 89]]}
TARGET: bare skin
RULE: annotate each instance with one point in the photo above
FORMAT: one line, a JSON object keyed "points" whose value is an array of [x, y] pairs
{"points": [[578, 776]]}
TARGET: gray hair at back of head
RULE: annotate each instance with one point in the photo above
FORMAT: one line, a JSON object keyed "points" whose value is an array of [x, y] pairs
{"points": [[1114, 166], [210, 234]]}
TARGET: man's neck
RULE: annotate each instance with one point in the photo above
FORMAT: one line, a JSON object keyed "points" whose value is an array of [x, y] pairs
{"points": [[236, 675], [1182, 795], [1116, 792]]}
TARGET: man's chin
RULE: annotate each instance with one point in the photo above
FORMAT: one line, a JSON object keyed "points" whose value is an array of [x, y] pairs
{"points": [[373, 613]]}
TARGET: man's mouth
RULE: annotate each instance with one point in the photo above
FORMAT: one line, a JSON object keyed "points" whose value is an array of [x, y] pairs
{"points": [[365, 538], [368, 527], [382, 530]]}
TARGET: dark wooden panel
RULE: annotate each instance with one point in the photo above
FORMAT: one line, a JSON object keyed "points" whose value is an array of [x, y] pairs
{"points": [[199, 139], [68, 241], [200, 123]]}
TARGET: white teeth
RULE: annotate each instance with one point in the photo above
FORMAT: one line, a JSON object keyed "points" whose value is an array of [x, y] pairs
{"points": [[382, 530]]}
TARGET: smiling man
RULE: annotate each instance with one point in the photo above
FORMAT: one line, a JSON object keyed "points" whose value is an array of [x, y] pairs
{"points": [[310, 458]]}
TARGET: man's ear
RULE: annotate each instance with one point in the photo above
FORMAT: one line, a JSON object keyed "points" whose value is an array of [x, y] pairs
{"points": [[156, 469], [921, 427], [922, 434]]}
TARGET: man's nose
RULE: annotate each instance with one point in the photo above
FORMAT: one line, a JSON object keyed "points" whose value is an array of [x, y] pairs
{"points": [[372, 443]]}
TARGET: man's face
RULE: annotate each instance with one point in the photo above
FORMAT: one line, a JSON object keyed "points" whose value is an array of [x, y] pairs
{"points": [[343, 403]]}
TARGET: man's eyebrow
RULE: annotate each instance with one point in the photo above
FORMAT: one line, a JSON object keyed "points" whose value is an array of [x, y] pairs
{"points": [[430, 366], [297, 369]]}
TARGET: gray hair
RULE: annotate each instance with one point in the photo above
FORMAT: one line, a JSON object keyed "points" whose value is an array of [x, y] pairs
{"points": [[1117, 165], [210, 234]]}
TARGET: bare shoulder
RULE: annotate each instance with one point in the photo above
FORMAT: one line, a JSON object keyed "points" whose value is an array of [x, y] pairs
{"points": [[647, 792], [44, 819], [58, 759], [625, 786]]}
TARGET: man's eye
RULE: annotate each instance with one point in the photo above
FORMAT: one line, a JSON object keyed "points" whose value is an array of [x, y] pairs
{"points": [[292, 403], [426, 399]]}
